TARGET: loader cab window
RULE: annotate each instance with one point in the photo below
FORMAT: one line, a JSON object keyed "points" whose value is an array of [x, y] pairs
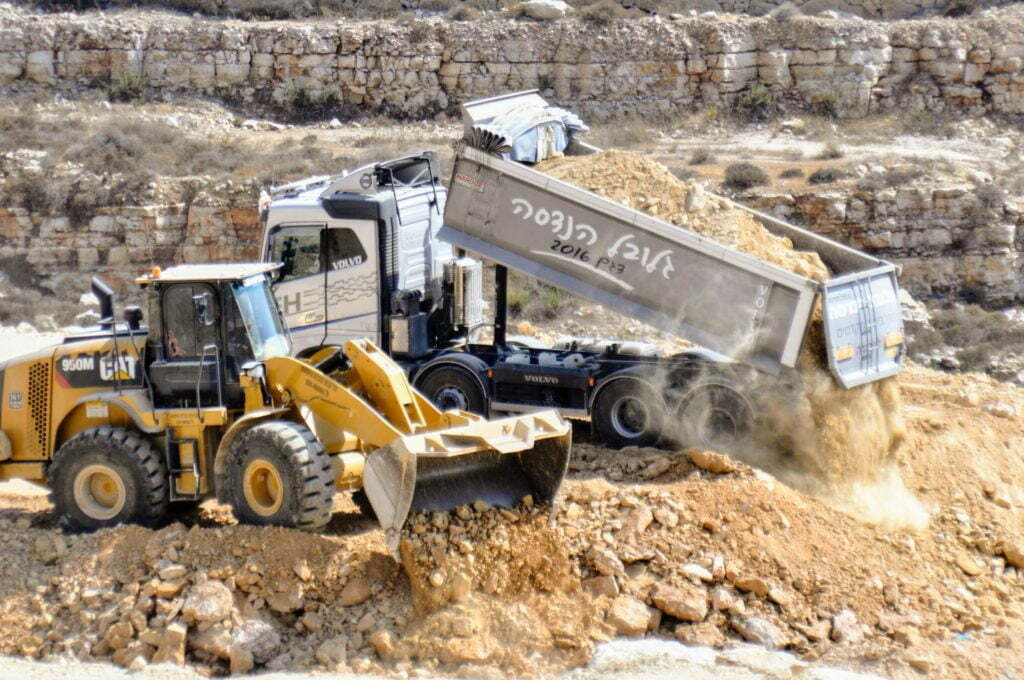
{"points": [[185, 335], [344, 249], [299, 249]]}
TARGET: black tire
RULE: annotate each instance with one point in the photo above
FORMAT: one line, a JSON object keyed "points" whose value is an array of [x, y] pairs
{"points": [[715, 414], [450, 387], [288, 475], [628, 412], [108, 476]]}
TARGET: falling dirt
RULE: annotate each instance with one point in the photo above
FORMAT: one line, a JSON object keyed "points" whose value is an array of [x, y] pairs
{"points": [[811, 431]]}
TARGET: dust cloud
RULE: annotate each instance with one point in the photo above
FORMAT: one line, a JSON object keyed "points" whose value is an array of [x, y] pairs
{"points": [[809, 431]]}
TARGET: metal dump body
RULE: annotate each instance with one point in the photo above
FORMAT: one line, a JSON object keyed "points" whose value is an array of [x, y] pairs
{"points": [[673, 278]]}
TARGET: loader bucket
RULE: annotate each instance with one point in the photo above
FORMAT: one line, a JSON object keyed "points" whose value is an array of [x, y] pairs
{"points": [[497, 461]]}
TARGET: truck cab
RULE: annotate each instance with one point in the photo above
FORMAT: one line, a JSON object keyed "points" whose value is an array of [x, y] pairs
{"points": [[356, 247]]}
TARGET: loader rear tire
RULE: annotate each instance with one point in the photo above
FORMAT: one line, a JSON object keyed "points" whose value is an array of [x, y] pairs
{"points": [[278, 474], [108, 476]]}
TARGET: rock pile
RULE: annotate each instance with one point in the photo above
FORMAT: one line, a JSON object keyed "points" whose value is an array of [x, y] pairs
{"points": [[690, 546]]}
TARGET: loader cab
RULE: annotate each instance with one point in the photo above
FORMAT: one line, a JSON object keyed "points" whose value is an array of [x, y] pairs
{"points": [[206, 323], [359, 255]]}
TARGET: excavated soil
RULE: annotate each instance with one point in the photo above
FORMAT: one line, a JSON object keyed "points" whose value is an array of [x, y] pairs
{"points": [[686, 545], [811, 431]]}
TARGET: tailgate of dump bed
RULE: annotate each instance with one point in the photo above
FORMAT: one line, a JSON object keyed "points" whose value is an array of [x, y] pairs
{"points": [[863, 325]]}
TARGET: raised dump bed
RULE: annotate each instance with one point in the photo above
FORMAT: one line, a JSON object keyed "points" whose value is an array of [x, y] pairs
{"points": [[674, 279]]}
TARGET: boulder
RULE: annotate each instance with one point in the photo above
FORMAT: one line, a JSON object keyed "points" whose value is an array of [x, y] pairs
{"points": [[1014, 554], [257, 636], [332, 653], [759, 631], [846, 628], [172, 645], [357, 591], [208, 601], [545, 10], [629, 616], [686, 603], [710, 461]]}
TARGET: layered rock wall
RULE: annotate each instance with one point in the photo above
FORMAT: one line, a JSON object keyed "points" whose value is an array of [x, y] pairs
{"points": [[639, 67], [950, 242], [119, 243]]}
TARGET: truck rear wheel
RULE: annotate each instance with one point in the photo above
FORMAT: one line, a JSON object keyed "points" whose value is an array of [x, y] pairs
{"points": [[628, 412], [715, 415], [278, 474], [108, 476], [454, 388]]}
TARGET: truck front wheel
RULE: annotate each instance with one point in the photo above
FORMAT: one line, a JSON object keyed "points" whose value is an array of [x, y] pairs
{"points": [[108, 476], [628, 413], [278, 474], [454, 388]]}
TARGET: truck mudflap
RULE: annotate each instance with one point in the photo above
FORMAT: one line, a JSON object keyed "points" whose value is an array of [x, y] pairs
{"points": [[497, 461], [863, 326]]}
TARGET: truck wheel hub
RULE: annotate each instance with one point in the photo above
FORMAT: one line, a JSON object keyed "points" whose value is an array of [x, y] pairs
{"points": [[99, 492], [452, 398], [262, 486], [630, 417]]}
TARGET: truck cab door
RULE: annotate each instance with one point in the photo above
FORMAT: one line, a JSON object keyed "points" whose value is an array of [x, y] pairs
{"points": [[328, 288]]}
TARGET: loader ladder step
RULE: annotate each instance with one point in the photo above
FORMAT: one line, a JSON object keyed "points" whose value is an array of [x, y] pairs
{"points": [[175, 469]]}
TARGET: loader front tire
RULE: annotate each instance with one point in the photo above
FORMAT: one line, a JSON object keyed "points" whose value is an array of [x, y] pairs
{"points": [[278, 474], [107, 476]]}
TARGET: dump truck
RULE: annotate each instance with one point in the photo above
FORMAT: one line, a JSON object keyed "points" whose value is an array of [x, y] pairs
{"points": [[389, 252], [206, 401]]}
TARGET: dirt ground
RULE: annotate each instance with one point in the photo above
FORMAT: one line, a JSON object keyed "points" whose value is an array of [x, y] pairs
{"points": [[922, 575]]}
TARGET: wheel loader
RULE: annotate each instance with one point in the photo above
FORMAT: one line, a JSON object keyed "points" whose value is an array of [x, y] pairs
{"points": [[206, 401]]}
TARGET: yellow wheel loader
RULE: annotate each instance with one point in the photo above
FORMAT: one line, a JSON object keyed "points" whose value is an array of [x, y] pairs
{"points": [[205, 401]]}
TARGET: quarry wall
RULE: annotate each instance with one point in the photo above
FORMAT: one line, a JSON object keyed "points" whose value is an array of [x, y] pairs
{"points": [[948, 243], [638, 67]]}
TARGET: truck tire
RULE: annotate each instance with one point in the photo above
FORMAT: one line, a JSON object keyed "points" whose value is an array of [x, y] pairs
{"points": [[450, 387], [628, 412], [108, 476], [278, 474], [714, 414]]}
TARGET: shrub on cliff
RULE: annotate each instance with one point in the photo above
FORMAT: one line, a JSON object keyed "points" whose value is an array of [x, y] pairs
{"points": [[464, 13], [758, 103], [743, 176], [824, 176]]}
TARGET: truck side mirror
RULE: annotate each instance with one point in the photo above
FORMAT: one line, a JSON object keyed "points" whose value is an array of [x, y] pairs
{"points": [[204, 311]]}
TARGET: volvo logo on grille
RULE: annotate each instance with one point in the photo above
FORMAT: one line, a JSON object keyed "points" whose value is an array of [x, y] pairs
{"points": [[541, 379]]}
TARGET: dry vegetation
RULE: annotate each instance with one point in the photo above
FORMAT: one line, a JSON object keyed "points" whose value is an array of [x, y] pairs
{"points": [[602, 11], [130, 150], [978, 335]]}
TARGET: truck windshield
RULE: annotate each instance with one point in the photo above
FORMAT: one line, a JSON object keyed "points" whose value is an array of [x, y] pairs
{"points": [[262, 320]]}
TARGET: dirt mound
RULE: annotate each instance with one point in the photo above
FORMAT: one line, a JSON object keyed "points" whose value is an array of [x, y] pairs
{"points": [[811, 430], [495, 585], [691, 545], [646, 185]]}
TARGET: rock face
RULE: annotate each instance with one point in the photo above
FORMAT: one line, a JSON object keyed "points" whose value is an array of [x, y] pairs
{"points": [[639, 67], [948, 241]]}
